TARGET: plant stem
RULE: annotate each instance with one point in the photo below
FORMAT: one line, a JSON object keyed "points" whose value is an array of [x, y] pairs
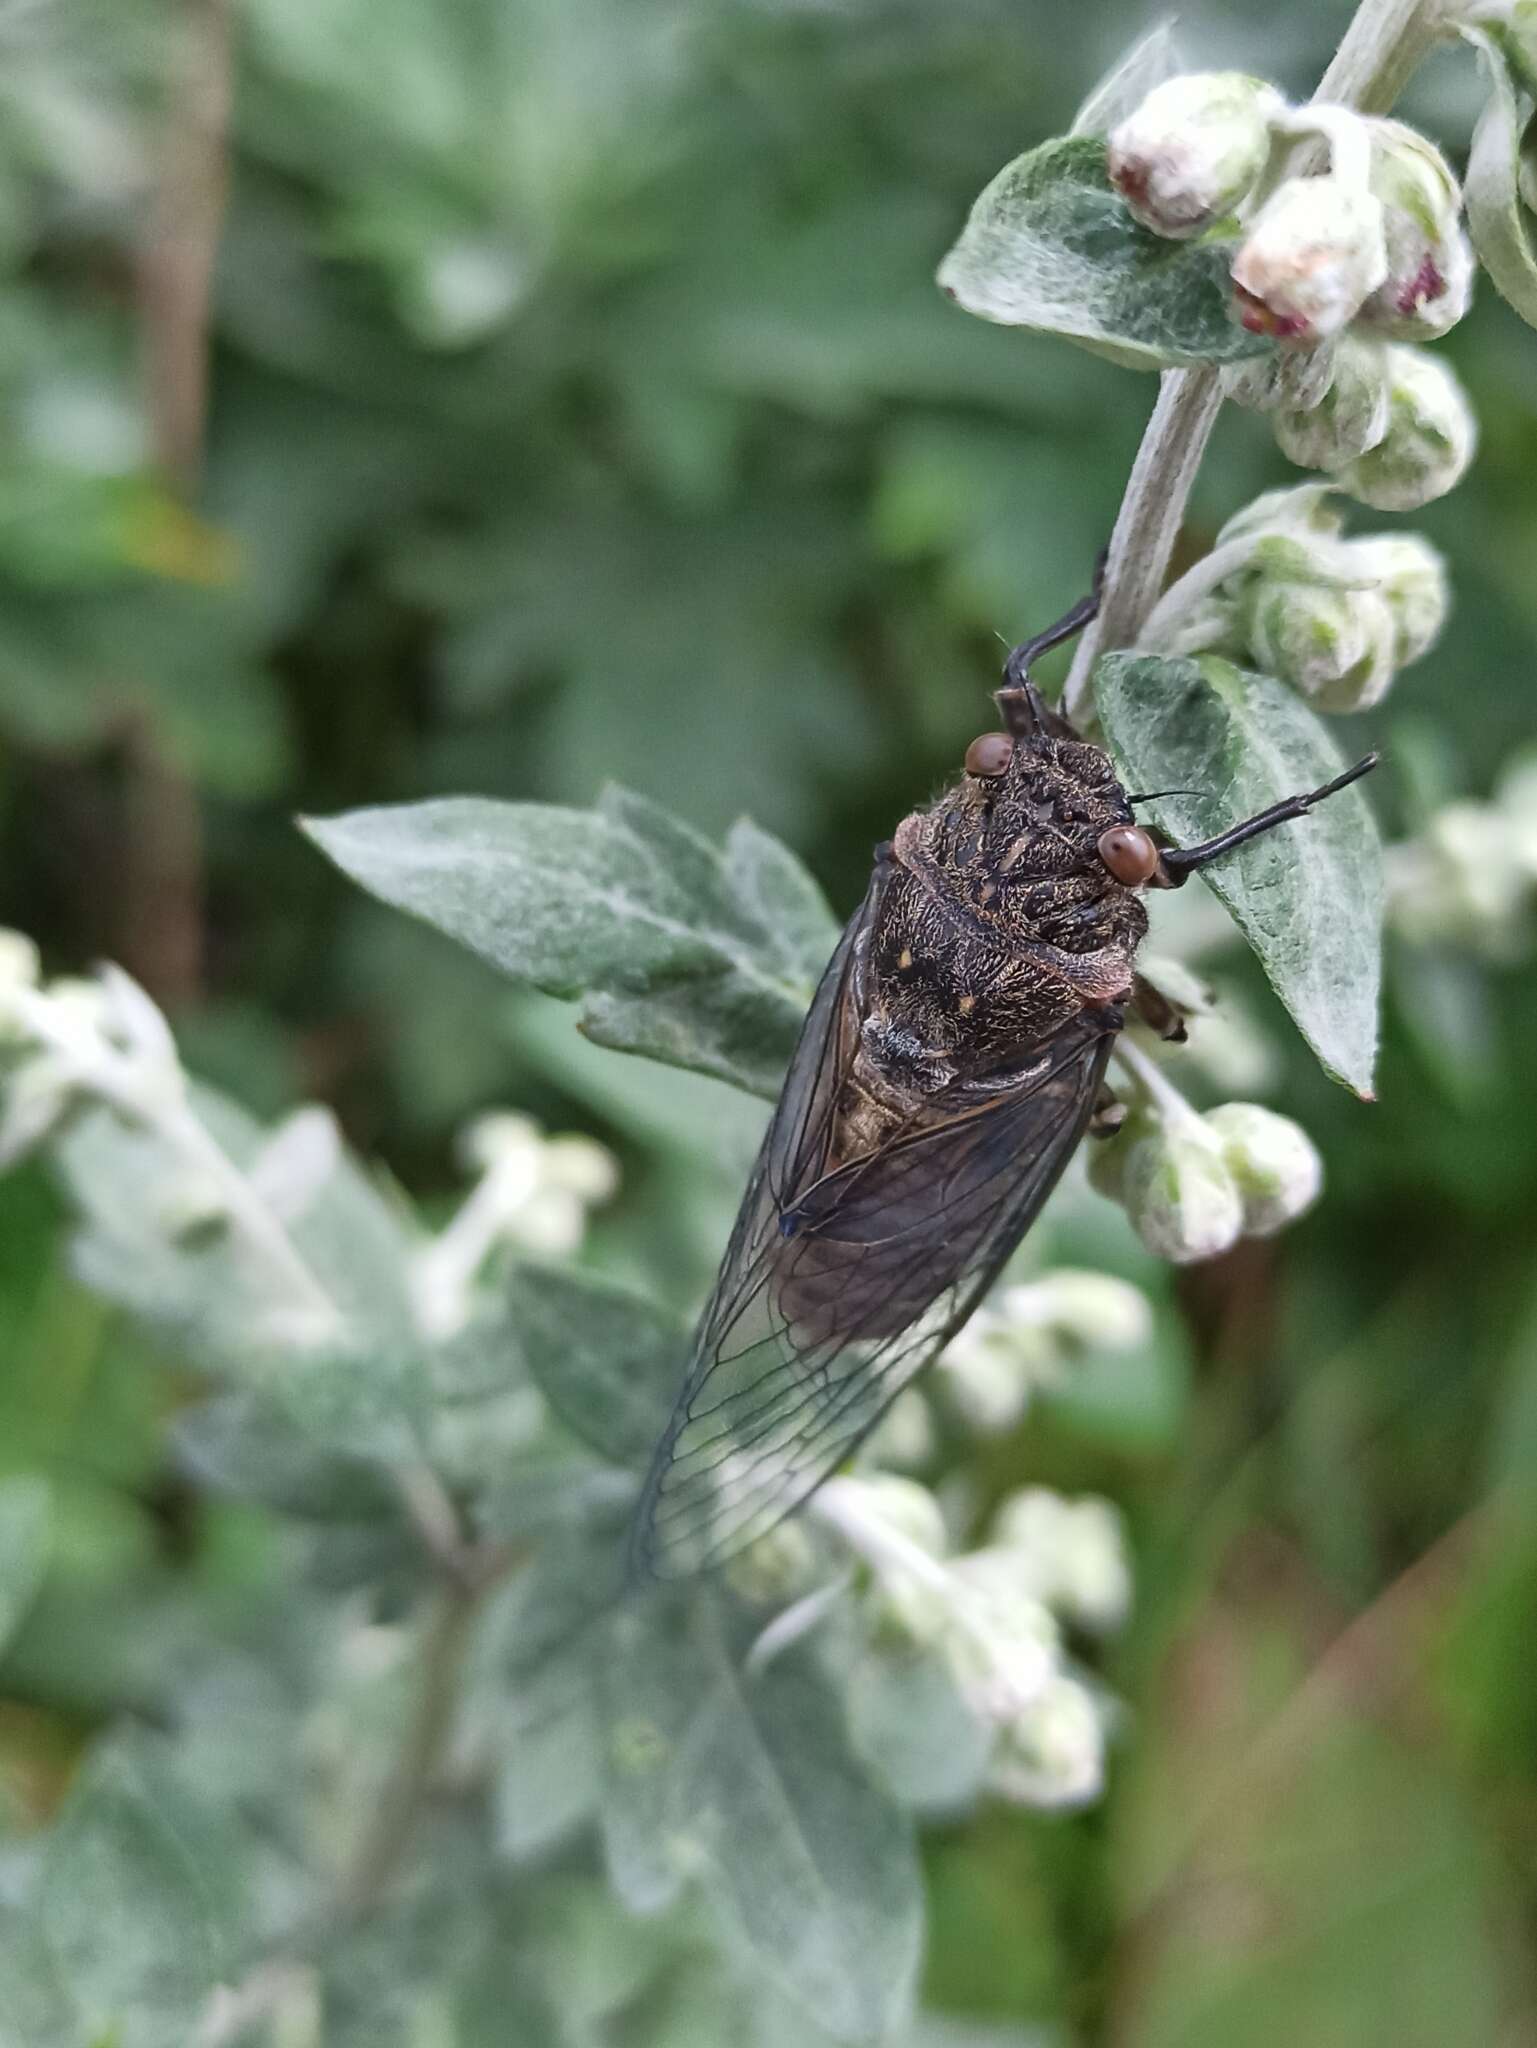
{"points": [[1384, 44], [383, 1849]]}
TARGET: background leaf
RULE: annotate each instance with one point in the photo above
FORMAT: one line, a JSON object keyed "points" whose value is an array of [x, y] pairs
{"points": [[1498, 218], [753, 1780], [608, 1361], [24, 1540], [1307, 897], [685, 956], [1050, 244], [137, 1896]]}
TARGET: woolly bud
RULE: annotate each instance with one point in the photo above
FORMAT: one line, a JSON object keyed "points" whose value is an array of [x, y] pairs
{"points": [[19, 965], [779, 1567], [1178, 1192], [1335, 646], [1430, 439], [1313, 254], [581, 1167], [1290, 380], [1429, 278], [1349, 419], [1274, 1164], [1094, 1311], [1193, 149], [1305, 511], [1004, 1643], [1053, 1753], [1411, 578], [1072, 1554]]}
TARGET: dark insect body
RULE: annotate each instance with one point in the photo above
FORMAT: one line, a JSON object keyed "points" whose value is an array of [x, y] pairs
{"points": [[950, 1062]]}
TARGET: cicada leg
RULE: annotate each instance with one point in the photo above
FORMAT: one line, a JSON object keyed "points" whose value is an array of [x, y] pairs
{"points": [[1156, 1011]]}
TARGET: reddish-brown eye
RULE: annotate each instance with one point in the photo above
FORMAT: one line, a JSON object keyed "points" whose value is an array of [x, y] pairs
{"points": [[1129, 854], [990, 755]]}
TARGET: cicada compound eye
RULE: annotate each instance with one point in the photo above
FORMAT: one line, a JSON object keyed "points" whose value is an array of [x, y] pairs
{"points": [[989, 755], [1129, 853]]}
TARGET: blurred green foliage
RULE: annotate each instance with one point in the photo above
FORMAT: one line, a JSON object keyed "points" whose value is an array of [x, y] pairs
{"points": [[580, 406]]}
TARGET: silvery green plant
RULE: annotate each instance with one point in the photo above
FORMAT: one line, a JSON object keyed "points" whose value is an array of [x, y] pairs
{"points": [[476, 1399], [459, 1744]]}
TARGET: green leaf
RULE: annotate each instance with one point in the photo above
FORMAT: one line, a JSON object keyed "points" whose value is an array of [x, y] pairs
{"points": [[204, 1287], [25, 1522], [1051, 245], [608, 1361], [750, 1783], [136, 1895], [1307, 897], [1148, 62], [681, 954], [1498, 219], [36, 2010], [546, 1782]]}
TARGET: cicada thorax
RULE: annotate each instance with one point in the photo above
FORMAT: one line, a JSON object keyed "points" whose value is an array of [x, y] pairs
{"points": [[999, 926]]}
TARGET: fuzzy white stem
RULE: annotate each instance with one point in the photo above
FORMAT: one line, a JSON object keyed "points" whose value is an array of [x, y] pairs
{"points": [[1155, 1085], [1348, 138]]}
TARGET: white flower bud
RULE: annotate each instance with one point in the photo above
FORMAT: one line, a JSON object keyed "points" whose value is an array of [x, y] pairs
{"points": [[1411, 577], [1288, 380], [550, 1224], [1430, 439], [1178, 1192], [992, 1367], [780, 1566], [1335, 646], [1072, 1554], [1274, 1164], [1211, 624], [35, 1097], [582, 1167], [1193, 150], [1094, 1311], [901, 1504], [1349, 419], [1313, 254], [1304, 511], [1430, 265], [1003, 1644], [498, 1139], [79, 1008], [1053, 1753], [19, 964], [905, 1433]]}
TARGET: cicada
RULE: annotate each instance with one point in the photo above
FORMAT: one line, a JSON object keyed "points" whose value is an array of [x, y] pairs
{"points": [[951, 1060]]}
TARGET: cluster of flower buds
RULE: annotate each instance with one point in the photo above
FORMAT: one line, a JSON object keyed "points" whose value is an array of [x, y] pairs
{"points": [[1192, 1185], [71, 1041], [1344, 268], [1285, 592], [533, 1195], [995, 1616], [1468, 880], [71, 1045], [1027, 1336]]}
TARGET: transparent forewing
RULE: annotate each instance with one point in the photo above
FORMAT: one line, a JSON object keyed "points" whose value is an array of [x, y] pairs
{"points": [[840, 1286]]}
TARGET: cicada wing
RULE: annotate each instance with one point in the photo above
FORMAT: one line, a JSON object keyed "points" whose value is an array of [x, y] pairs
{"points": [[818, 1321]]}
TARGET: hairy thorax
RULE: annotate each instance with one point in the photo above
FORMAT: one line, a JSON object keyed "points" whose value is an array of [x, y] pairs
{"points": [[998, 924]]}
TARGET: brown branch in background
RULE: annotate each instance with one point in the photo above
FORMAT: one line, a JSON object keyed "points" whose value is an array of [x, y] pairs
{"points": [[159, 935], [176, 267]]}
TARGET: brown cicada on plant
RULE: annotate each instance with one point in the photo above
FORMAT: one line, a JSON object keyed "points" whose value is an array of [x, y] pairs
{"points": [[952, 1058]]}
